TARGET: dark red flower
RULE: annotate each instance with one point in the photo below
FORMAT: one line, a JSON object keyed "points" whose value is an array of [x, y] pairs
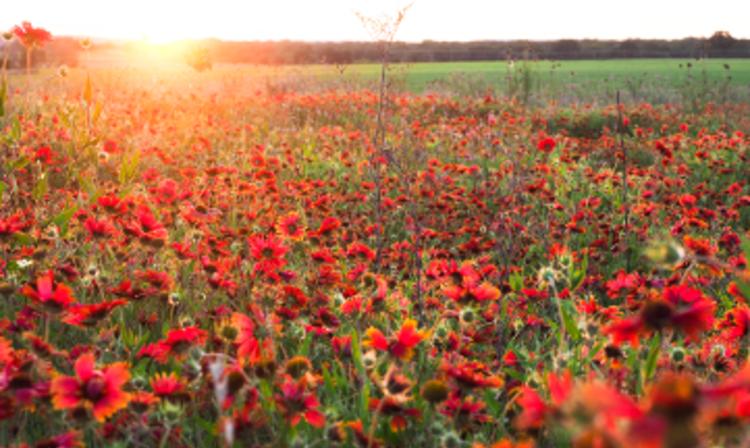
{"points": [[546, 144]]}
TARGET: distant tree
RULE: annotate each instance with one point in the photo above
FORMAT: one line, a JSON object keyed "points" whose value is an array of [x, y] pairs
{"points": [[629, 48], [566, 48], [722, 40]]}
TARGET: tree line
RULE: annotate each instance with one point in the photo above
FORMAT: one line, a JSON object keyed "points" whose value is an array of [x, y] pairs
{"points": [[288, 52], [63, 50]]}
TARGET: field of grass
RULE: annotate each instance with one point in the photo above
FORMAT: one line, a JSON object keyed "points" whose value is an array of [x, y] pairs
{"points": [[652, 80], [420, 75]]}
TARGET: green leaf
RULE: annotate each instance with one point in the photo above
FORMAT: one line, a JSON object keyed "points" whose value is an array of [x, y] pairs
{"points": [[129, 169], [365, 392], [3, 93], [24, 239], [568, 313], [63, 219], [653, 357], [208, 426], [742, 285], [305, 348], [19, 163], [578, 275], [635, 368], [15, 130], [744, 288], [89, 187], [516, 281], [40, 189], [3, 187], [745, 245], [593, 352]]}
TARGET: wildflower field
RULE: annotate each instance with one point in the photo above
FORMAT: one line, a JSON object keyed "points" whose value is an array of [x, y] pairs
{"points": [[195, 259]]}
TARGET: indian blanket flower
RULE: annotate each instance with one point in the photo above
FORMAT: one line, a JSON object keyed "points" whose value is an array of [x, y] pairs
{"points": [[248, 346], [147, 228], [401, 344], [291, 226], [169, 386], [98, 228], [71, 439], [467, 412], [468, 287], [11, 225], [471, 375], [90, 314], [596, 402], [469, 293], [176, 344], [681, 308], [268, 253], [546, 144], [30, 36], [736, 323], [534, 410], [297, 403], [622, 282], [100, 390], [395, 409], [51, 295]]}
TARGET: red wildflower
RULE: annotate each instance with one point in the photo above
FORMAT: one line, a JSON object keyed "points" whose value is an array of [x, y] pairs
{"points": [[291, 227], [681, 307], [51, 295], [401, 345], [168, 386], [89, 315], [98, 229], [99, 390], [393, 407], [693, 312], [31, 37], [546, 144], [466, 411], [622, 282], [70, 439], [147, 228], [11, 225], [297, 403], [268, 253], [533, 409], [472, 375], [471, 287], [737, 323], [177, 342], [328, 226]]}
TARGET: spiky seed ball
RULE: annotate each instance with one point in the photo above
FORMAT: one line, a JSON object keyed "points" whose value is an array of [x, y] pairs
{"points": [[435, 391]]}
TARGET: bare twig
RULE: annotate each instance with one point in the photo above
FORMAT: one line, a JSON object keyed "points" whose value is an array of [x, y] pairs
{"points": [[383, 30], [625, 205]]}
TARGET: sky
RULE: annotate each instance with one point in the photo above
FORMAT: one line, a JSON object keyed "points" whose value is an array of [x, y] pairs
{"points": [[335, 20]]}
